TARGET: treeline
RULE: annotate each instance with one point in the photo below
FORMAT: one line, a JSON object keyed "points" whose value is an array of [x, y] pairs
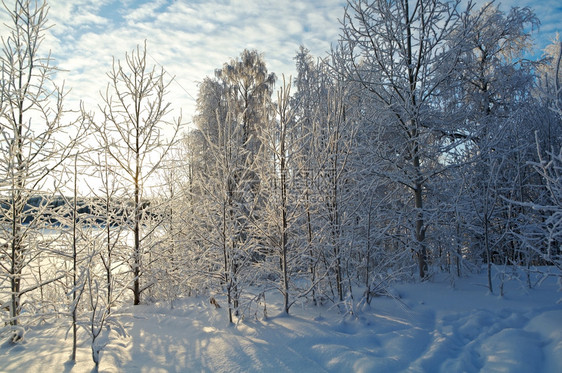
{"points": [[58, 210]]}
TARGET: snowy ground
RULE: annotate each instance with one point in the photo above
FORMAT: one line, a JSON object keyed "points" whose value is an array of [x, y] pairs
{"points": [[433, 328]]}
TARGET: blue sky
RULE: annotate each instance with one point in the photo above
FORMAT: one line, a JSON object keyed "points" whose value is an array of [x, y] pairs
{"points": [[191, 38]]}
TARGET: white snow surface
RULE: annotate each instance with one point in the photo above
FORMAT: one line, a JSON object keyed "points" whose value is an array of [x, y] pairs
{"points": [[433, 327]]}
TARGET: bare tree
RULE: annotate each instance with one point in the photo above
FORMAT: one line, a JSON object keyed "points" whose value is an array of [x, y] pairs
{"points": [[136, 122], [277, 216], [108, 210], [220, 218], [232, 111], [401, 51], [549, 167], [33, 145], [495, 85]]}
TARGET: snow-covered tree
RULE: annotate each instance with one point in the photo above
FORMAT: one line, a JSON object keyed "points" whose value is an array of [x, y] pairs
{"points": [[401, 53], [248, 86], [107, 209], [325, 163], [310, 83], [172, 265], [34, 144], [549, 165], [137, 131], [495, 90], [232, 110], [220, 214]]}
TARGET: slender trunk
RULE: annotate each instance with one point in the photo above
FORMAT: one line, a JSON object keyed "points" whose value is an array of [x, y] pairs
{"points": [[488, 251], [15, 272], [420, 229], [109, 249], [137, 207], [74, 263], [368, 259], [335, 214], [137, 250], [335, 243], [225, 257], [335, 233], [18, 202], [414, 132], [284, 228], [137, 260], [108, 221], [311, 253], [458, 256]]}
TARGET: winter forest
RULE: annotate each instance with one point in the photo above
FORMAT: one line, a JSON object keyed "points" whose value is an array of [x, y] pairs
{"points": [[424, 150]]}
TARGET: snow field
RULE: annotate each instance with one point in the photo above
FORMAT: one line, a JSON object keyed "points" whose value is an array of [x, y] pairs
{"points": [[433, 327]]}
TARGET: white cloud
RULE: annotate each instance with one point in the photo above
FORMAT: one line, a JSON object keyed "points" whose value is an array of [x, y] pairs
{"points": [[191, 38], [144, 12]]}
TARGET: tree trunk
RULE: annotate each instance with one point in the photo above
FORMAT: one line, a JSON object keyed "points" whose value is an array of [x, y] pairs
{"points": [[420, 229]]}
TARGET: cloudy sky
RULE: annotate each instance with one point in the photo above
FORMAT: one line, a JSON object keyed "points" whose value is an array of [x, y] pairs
{"points": [[191, 38]]}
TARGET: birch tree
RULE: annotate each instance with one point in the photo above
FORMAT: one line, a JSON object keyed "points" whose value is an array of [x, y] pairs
{"points": [[221, 207], [249, 87], [107, 209], [549, 165], [396, 51], [68, 217], [310, 84], [34, 144], [233, 108], [138, 132], [496, 90], [280, 215], [324, 165]]}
